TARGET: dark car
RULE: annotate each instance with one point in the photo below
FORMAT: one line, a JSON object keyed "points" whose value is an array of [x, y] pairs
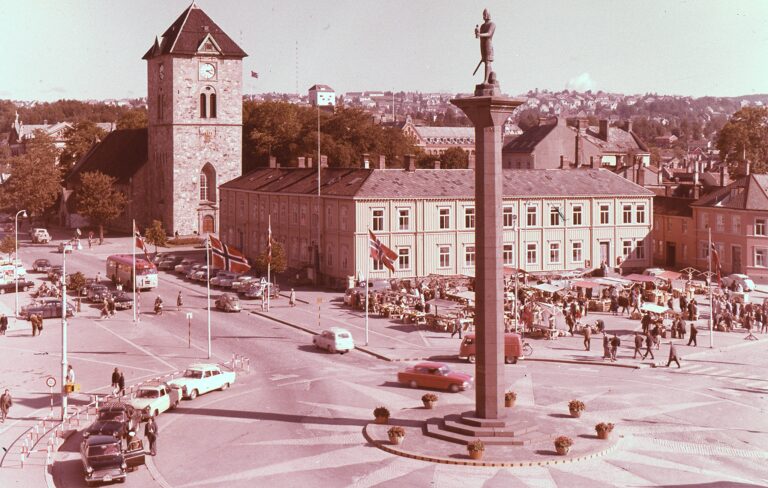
{"points": [[55, 272], [116, 419], [97, 293], [41, 266], [10, 286], [105, 461], [123, 301], [169, 262], [47, 310]]}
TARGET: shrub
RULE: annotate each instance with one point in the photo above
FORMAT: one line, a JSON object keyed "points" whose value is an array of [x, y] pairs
{"points": [[563, 441], [604, 427], [510, 395], [576, 405], [476, 445], [396, 431], [381, 412], [429, 397]]}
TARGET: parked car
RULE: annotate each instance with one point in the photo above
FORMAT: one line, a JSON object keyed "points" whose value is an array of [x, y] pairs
{"points": [[103, 459], [10, 286], [224, 279], [154, 398], [41, 266], [39, 235], [513, 348], [194, 269], [54, 274], [334, 340], [47, 310], [116, 419], [123, 301], [202, 378], [169, 262], [202, 274], [435, 375], [256, 289], [228, 302], [739, 280], [97, 293], [241, 284], [184, 266], [65, 247]]}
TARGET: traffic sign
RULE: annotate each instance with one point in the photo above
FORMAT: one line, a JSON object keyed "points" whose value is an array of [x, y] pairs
{"points": [[50, 381]]}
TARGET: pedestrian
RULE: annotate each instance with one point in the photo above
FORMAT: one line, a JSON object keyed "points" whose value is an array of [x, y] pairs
{"points": [[6, 402], [569, 322], [111, 305], [673, 355], [624, 304], [615, 343], [3, 324], [98, 277], [600, 325], [151, 433], [614, 308], [33, 321], [606, 347], [656, 334], [587, 337], [648, 344], [121, 384], [179, 301], [694, 333], [264, 300], [70, 378], [457, 326], [115, 380], [90, 241], [646, 322], [638, 345], [292, 298]]}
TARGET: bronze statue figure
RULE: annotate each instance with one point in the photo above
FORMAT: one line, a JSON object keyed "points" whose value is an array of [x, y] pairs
{"points": [[485, 34]]}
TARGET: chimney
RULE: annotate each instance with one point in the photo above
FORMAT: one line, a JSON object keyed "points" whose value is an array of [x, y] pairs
{"points": [[366, 161], [273, 162], [471, 161], [302, 162], [577, 159], [437, 164], [722, 175], [382, 162], [562, 161], [603, 134], [747, 168], [592, 162], [410, 162], [323, 161]]}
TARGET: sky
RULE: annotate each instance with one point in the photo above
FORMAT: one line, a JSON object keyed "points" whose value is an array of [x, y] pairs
{"points": [[92, 49]]}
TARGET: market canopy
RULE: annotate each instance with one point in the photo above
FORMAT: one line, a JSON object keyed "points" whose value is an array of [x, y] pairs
{"points": [[587, 284], [548, 287], [652, 307], [669, 275], [640, 278], [440, 305]]}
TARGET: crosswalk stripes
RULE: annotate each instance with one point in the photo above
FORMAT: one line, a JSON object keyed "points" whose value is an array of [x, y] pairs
{"points": [[724, 374]]}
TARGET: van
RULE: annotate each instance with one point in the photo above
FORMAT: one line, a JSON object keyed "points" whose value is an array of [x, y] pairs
{"points": [[513, 348]]}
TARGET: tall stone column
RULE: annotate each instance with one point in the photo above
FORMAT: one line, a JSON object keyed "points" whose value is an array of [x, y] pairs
{"points": [[488, 110]]}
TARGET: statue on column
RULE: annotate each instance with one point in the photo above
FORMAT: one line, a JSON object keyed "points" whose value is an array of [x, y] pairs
{"points": [[485, 34]]}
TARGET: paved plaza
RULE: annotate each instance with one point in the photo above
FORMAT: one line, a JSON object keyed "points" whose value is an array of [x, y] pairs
{"points": [[298, 418]]}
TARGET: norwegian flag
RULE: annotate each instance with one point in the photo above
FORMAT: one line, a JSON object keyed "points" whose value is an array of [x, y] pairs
{"points": [[381, 253], [139, 243], [227, 257], [269, 240], [716, 267]]}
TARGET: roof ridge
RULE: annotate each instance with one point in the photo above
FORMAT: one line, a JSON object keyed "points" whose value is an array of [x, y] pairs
{"points": [[181, 26]]}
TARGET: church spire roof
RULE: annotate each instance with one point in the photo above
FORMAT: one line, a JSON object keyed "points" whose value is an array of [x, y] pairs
{"points": [[186, 34]]}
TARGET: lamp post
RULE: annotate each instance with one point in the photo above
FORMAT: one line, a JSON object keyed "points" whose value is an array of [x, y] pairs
{"points": [[23, 214], [64, 392]]}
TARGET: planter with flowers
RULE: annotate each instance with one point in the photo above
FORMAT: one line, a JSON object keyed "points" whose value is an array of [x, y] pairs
{"points": [[476, 449], [429, 399], [509, 399], [576, 407], [381, 414], [396, 434], [563, 445], [603, 430]]}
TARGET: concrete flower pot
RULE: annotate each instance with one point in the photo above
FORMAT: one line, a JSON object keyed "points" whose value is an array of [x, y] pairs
{"points": [[603, 434], [476, 454], [575, 413], [509, 403], [562, 451], [429, 404], [396, 439], [382, 420]]}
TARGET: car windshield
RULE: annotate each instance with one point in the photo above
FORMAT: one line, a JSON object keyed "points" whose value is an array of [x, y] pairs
{"points": [[116, 416], [343, 335], [147, 394], [104, 450], [191, 373]]}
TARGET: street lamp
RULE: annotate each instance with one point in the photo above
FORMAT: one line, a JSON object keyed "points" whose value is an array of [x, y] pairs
{"points": [[23, 214], [64, 392]]}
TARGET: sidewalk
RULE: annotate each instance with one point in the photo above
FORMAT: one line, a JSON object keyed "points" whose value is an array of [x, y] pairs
{"points": [[392, 340]]}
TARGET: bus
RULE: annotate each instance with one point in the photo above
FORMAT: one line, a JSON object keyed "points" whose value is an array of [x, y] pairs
{"points": [[119, 267]]}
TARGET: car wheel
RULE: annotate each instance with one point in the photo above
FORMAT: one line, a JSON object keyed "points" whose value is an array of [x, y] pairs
{"points": [[332, 349], [24, 288], [471, 358], [413, 384], [193, 394], [454, 388], [156, 413], [224, 386], [2, 291]]}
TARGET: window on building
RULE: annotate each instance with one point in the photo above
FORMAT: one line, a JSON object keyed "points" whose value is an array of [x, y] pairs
{"points": [[554, 216], [207, 183], [295, 215], [576, 252], [531, 253], [684, 225], [704, 219], [760, 227], [626, 214], [640, 249], [469, 217], [403, 219], [640, 214], [208, 103], [761, 257], [669, 221], [203, 106], [703, 250], [720, 222], [508, 217], [445, 256], [685, 252], [445, 218], [626, 248], [404, 258], [343, 220], [328, 217], [605, 214], [378, 219], [329, 256], [576, 215], [554, 252], [302, 215], [530, 216], [508, 255], [469, 256], [377, 265], [736, 224]]}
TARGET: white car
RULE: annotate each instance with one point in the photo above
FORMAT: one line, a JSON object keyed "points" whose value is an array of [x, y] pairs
{"points": [[202, 378], [334, 339], [152, 399], [740, 280]]}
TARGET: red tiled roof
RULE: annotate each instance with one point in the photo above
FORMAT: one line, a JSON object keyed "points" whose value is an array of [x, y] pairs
{"points": [[186, 34], [747, 193]]}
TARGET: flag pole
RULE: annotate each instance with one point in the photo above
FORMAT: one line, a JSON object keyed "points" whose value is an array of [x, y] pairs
{"points": [[367, 272], [269, 259], [208, 302], [711, 305], [134, 271]]}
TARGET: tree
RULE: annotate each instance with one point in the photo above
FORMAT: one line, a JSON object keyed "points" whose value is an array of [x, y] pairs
{"points": [[528, 119], [279, 260], [35, 180], [745, 138], [97, 199], [76, 282], [8, 245], [155, 234], [133, 119], [80, 138], [454, 158]]}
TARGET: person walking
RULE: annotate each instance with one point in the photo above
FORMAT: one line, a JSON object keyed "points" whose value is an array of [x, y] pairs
{"points": [[615, 343], [121, 384], [673, 355], [606, 346], [70, 378], [179, 301], [456, 326], [33, 321], [115, 380], [646, 322], [3, 324], [694, 333], [648, 345], [6, 402], [292, 298], [638, 345], [151, 433], [587, 337]]}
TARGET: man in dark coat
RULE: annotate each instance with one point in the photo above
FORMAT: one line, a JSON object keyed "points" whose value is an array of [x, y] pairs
{"points": [[694, 333], [3, 324], [151, 432], [121, 384], [115, 379], [648, 344], [615, 343], [5, 404], [638, 345], [673, 355], [646, 322]]}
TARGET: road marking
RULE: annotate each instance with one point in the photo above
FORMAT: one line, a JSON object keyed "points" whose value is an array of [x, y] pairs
{"points": [[278, 377], [140, 348]]}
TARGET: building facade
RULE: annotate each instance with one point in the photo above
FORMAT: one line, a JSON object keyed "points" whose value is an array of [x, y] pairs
{"points": [[436, 140], [568, 219], [321, 95]]}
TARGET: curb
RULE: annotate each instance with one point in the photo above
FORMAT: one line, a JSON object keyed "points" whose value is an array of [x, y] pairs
{"points": [[153, 471], [49, 467], [488, 464]]}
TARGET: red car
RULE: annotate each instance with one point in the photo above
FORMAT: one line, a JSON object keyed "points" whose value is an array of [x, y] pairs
{"points": [[435, 375]]}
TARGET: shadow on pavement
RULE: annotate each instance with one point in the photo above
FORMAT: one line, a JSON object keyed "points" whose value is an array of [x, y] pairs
{"points": [[275, 417]]}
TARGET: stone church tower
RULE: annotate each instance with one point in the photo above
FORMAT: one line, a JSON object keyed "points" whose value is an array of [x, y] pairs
{"points": [[194, 80]]}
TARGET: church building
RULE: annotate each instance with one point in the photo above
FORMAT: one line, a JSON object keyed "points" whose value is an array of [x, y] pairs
{"points": [[171, 170]]}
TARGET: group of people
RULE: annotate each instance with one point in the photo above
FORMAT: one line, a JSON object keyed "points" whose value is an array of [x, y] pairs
{"points": [[118, 382], [729, 311], [46, 290]]}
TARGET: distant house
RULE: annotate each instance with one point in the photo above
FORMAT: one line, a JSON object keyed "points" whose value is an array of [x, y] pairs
{"points": [[21, 133], [437, 140], [322, 95]]}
